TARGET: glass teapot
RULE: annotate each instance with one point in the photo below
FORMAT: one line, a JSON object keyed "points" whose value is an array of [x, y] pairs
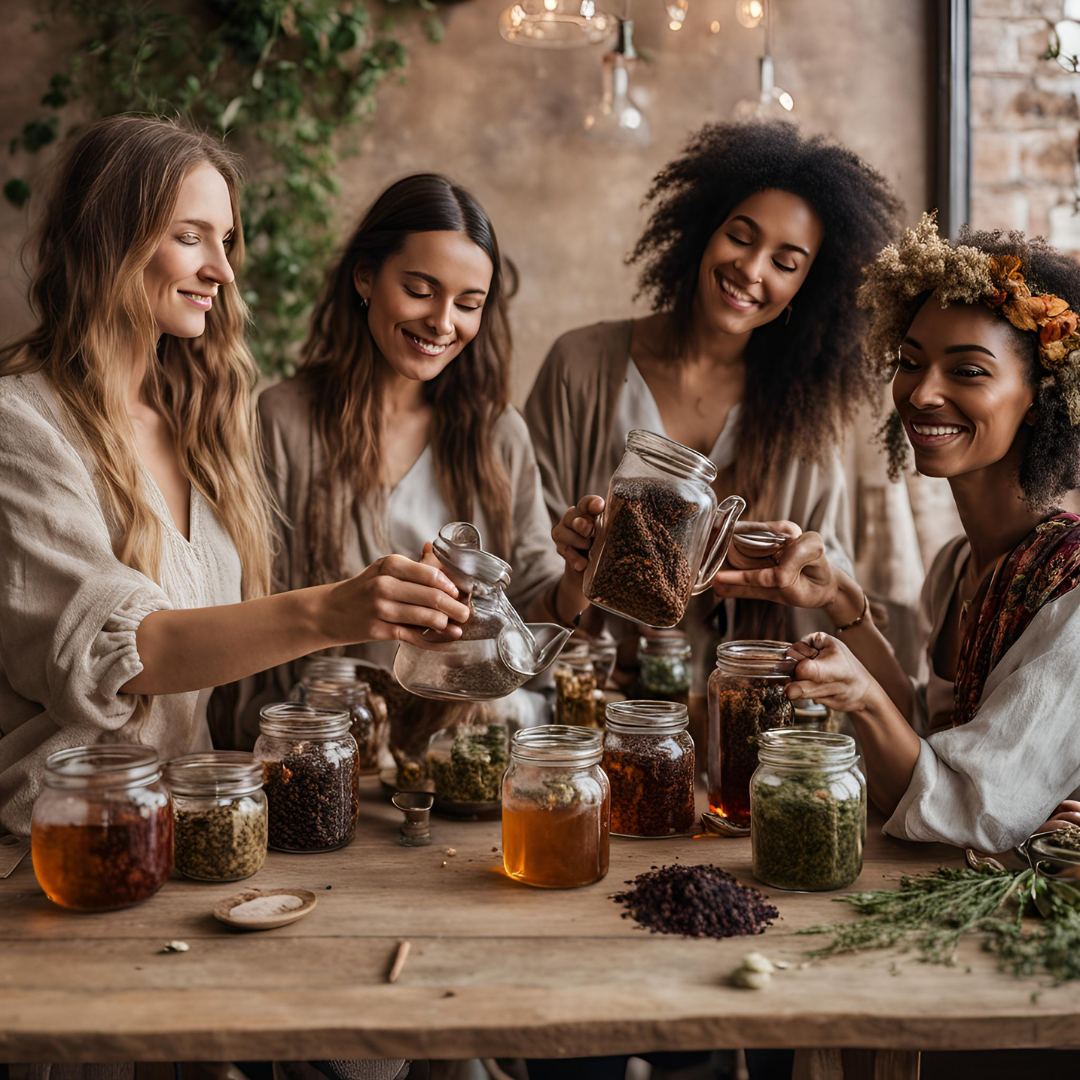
{"points": [[496, 652]]}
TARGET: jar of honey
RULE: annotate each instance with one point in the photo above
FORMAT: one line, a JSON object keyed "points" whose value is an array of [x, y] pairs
{"points": [[102, 830], [556, 808]]}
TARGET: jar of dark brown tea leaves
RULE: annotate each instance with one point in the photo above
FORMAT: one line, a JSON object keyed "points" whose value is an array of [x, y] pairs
{"points": [[332, 682]]}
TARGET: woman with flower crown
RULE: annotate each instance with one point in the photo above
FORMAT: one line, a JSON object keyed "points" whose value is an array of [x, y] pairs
{"points": [[982, 338]]}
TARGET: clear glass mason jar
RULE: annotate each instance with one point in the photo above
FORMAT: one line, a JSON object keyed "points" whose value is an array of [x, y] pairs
{"points": [[807, 811], [311, 776], [556, 808], [219, 812], [649, 761], [649, 555], [664, 668], [331, 682], [746, 697], [102, 828], [576, 688]]}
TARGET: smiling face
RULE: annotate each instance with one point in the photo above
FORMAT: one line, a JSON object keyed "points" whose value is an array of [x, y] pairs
{"points": [[962, 391], [425, 302], [756, 261], [191, 263]]}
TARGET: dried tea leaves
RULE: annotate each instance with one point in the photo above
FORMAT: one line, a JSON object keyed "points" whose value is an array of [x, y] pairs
{"points": [[221, 843], [473, 772]]}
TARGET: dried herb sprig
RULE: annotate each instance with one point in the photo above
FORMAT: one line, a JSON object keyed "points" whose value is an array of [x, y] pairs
{"points": [[1053, 948]]}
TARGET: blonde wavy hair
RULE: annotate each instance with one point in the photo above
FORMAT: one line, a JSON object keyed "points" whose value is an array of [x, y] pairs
{"points": [[112, 204]]}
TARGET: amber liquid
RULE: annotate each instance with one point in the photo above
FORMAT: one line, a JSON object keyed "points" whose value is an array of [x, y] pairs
{"points": [[556, 848], [101, 867]]}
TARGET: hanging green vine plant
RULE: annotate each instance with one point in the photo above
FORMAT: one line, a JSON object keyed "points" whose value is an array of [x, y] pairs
{"points": [[280, 79]]}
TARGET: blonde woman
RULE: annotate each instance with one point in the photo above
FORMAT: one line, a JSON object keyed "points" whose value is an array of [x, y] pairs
{"points": [[134, 520]]}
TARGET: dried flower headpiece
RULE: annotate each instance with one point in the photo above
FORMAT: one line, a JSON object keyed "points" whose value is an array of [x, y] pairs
{"points": [[923, 262]]}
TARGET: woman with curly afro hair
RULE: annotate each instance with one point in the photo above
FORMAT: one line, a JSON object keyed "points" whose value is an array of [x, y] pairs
{"points": [[983, 339], [752, 356]]}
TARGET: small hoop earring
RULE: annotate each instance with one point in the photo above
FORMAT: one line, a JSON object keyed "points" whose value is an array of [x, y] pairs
{"points": [[790, 309], [363, 302]]}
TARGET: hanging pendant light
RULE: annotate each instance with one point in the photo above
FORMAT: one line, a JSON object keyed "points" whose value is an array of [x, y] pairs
{"points": [[749, 12], [616, 119], [556, 24], [772, 101]]}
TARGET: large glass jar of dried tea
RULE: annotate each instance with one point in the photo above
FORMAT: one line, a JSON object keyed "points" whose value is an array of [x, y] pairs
{"points": [[649, 761], [311, 776], [331, 682], [807, 811], [664, 668], [467, 761], [101, 832], [746, 697], [661, 537], [219, 811], [578, 698], [556, 808]]}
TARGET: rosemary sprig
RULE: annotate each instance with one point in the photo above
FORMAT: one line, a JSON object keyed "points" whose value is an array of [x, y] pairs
{"points": [[1054, 947]]}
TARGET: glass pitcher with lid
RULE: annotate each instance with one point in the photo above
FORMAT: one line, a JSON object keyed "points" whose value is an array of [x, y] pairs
{"points": [[662, 536], [497, 652]]}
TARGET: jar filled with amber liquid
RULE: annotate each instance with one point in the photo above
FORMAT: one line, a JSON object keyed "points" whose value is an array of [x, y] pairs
{"points": [[102, 830], [649, 761], [556, 808], [331, 682], [747, 695]]}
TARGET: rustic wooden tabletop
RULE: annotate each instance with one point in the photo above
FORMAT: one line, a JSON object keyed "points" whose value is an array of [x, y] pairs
{"points": [[496, 968]]}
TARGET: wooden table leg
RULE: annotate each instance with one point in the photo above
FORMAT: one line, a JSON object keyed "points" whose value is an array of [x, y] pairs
{"points": [[896, 1065], [817, 1065], [856, 1065]]}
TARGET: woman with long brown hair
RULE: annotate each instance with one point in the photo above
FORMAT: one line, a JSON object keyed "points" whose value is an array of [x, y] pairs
{"points": [[399, 420], [135, 522]]}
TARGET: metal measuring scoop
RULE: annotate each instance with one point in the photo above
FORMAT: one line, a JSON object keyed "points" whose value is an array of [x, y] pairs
{"points": [[416, 806], [721, 826]]}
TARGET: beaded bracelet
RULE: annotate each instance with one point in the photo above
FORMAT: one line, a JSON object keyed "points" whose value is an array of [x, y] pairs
{"points": [[855, 622]]}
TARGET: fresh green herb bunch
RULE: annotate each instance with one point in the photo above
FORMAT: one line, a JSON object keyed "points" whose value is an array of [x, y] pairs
{"points": [[281, 78]]}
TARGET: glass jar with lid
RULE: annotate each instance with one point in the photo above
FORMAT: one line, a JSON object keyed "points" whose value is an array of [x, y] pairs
{"points": [[311, 776], [219, 811], [649, 761], [807, 811], [577, 692], [746, 697], [664, 668], [497, 651], [101, 832], [556, 808], [652, 549], [332, 682]]}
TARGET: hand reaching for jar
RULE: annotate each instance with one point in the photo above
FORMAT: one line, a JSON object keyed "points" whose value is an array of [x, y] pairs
{"points": [[828, 672], [574, 534]]}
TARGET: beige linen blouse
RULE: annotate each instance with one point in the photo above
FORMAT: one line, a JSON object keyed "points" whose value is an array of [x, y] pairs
{"points": [[69, 609]]}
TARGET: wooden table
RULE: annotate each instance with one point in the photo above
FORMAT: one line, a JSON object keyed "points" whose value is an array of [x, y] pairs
{"points": [[496, 968]]}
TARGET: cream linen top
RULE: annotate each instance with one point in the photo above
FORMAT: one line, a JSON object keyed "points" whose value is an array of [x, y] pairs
{"points": [[990, 783], [69, 609]]}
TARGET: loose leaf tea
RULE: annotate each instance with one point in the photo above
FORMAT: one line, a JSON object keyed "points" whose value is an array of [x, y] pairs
{"points": [[221, 843], [696, 901], [652, 783], [808, 830], [643, 571], [474, 770], [313, 796], [576, 697]]}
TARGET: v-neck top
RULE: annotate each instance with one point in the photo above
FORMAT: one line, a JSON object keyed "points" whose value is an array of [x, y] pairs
{"points": [[70, 610]]}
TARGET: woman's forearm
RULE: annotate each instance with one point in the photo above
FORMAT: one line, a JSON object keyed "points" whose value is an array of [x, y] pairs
{"points": [[890, 750], [868, 644], [201, 647]]}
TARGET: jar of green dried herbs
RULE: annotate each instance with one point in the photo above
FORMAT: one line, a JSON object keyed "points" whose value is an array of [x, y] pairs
{"points": [[807, 811], [219, 813], [664, 672]]}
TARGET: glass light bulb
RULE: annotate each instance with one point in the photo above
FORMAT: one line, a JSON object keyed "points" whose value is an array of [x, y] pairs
{"points": [[714, 27], [750, 12], [785, 100], [676, 11]]}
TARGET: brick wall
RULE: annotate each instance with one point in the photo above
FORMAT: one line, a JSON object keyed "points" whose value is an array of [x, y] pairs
{"points": [[1024, 122]]}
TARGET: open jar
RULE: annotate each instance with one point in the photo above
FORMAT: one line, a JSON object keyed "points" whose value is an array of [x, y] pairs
{"points": [[578, 698], [219, 811], [664, 668], [331, 682], [807, 811], [746, 697], [649, 555], [497, 652], [101, 832], [556, 808], [649, 761], [466, 762], [311, 776]]}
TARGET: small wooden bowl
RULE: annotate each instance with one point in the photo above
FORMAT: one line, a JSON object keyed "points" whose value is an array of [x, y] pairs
{"points": [[223, 910]]}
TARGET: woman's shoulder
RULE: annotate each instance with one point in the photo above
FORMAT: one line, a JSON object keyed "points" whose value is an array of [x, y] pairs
{"points": [[286, 405], [29, 410], [589, 348], [510, 435]]}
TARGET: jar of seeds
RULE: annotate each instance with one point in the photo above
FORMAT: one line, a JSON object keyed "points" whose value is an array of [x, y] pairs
{"points": [[746, 697], [310, 775], [219, 815], [661, 537], [807, 811], [556, 808], [664, 672], [331, 682], [649, 761], [576, 688]]}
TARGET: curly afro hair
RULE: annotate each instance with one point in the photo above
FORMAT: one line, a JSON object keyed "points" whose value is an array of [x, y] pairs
{"points": [[805, 378], [932, 268]]}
